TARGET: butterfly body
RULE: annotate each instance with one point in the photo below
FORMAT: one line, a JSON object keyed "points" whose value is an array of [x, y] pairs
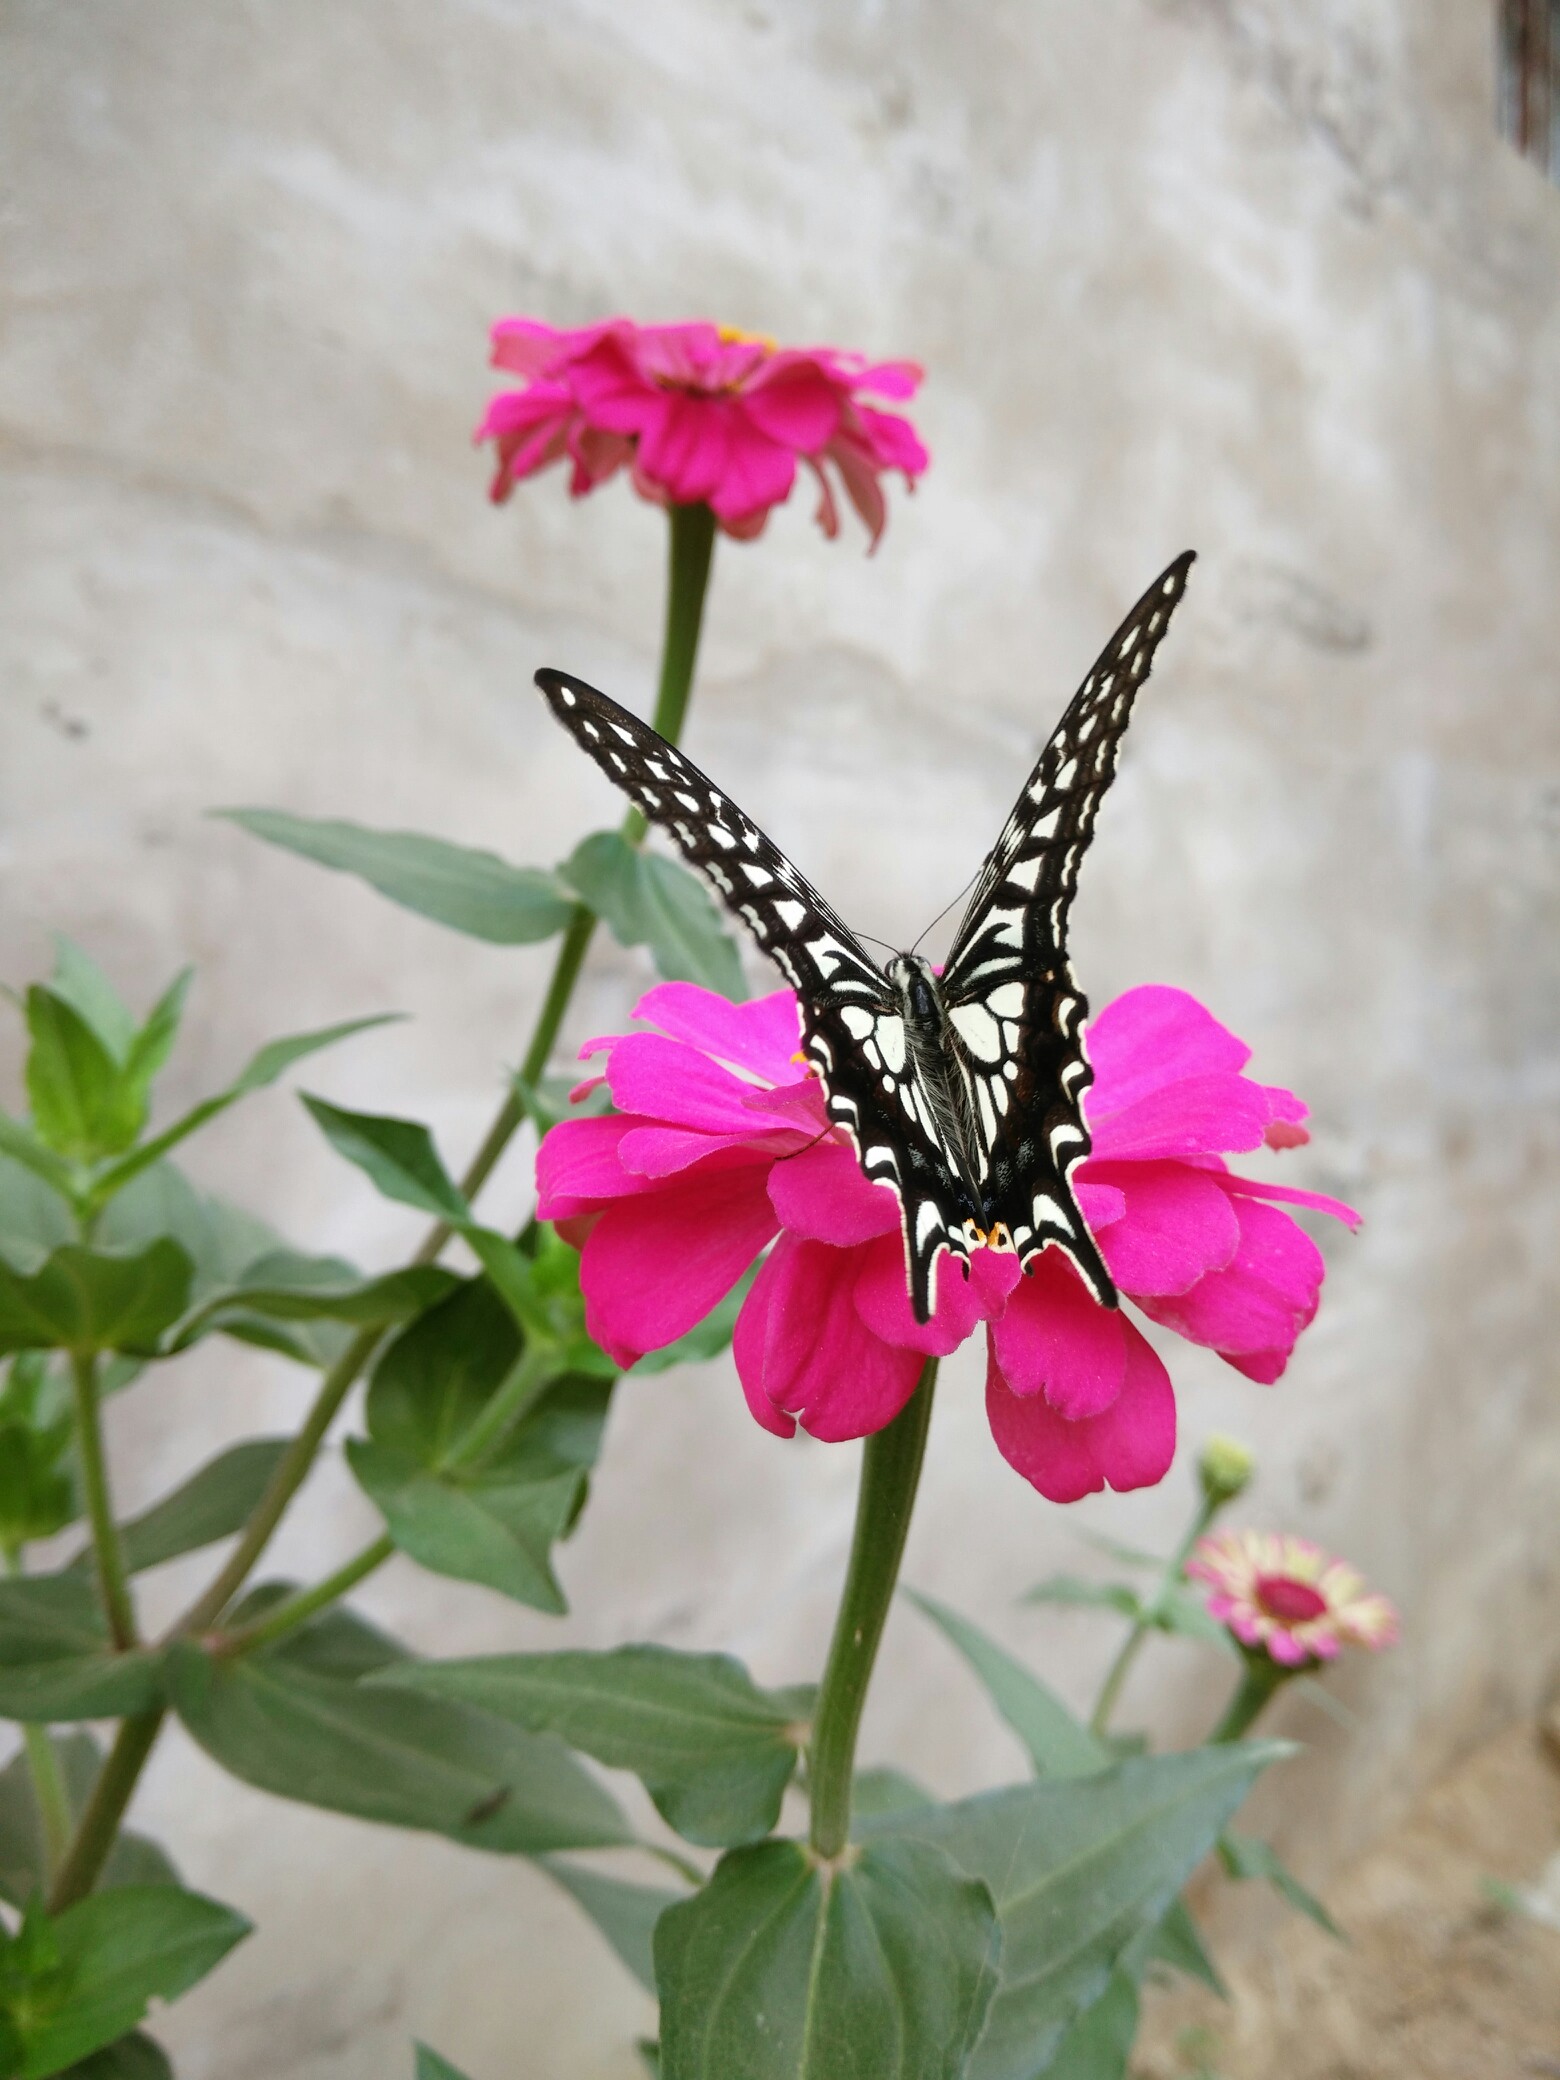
{"points": [[961, 1090]]}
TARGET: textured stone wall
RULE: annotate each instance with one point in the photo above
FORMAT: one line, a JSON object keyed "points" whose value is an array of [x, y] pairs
{"points": [[1222, 273]]}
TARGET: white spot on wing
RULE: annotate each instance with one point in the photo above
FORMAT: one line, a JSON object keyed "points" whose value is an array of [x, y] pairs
{"points": [[978, 1030]]}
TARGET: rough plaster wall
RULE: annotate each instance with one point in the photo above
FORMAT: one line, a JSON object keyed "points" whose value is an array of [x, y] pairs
{"points": [[1212, 272]]}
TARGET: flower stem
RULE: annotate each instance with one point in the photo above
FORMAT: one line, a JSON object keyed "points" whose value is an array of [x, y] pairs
{"points": [[1110, 1690], [43, 1767], [298, 1609], [890, 1472], [108, 1553], [1260, 1682], [99, 1826]]}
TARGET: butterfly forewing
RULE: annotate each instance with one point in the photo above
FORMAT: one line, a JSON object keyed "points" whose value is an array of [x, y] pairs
{"points": [[1007, 987], [852, 1032]]}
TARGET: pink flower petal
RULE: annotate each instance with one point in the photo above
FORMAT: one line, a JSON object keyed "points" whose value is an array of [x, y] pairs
{"points": [[579, 1166], [1153, 1036], [1252, 1311], [822, 1195], [1177, 1226], [684, 445], [1057, 1342], [652, 1268], [802, 1350], [794, 403], [1287, 1195], [764, 1035], [1100, 1204], [1201, 1115], [883, 1299], [669, 1081], [758, 474], [1130, 1445]]}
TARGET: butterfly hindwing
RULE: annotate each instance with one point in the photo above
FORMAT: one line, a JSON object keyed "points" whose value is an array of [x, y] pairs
{"points": [[1007, 986], [852, 1032]]}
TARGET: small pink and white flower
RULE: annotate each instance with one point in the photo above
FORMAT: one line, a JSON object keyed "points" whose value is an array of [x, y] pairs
{"points": [[700, 414], [720, 1150], [1284, 1597]]}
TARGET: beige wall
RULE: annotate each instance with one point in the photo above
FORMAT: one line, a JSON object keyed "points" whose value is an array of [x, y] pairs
{"points": [[1225, 273]]}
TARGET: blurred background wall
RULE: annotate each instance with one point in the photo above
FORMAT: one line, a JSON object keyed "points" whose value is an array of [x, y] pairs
{"points": [[1221, 273]]}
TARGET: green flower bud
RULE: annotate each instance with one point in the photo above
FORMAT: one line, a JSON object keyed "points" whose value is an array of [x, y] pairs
{"points": [[1224, 1468]]}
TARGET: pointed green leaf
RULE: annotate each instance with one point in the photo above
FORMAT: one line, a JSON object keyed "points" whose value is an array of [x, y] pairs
{"points": [[94, 1300], [297, 1722], [626, 1914], [272, 1061], [1178, 1944], [1098, 2045], [473, 892], [1080, 1870], [73, 1082], [23, 1865], [438, 1376], [134, 2057], [1118, 1549], [81, 982], [431, 2067], [56, 1661], [285, 1287], [1244, 1856], [22, 1146], [646, 899], [1074, 1589], [397, 1154], [1058, 1745], [214, 1503], [118, 1952], [1179, 1609], [149, 1048], [879, 1791], [880, 1970], [713, 1750]]}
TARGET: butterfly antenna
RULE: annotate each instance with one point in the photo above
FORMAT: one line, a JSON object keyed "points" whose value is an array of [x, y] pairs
{"points": [[943, 912]]}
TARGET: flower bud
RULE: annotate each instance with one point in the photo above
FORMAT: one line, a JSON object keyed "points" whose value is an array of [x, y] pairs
{"points": [[1224, 1469]]}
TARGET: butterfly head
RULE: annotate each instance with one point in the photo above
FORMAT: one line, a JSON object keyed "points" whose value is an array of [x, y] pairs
{"points": [[914, 977]]}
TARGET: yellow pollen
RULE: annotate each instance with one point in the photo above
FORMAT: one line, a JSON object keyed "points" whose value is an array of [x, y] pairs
{"points": [[733, 336]]}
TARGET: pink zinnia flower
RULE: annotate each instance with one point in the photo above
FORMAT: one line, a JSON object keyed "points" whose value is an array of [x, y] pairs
{"points": [[701, 415], [1282, 1596], [720, 1146]]}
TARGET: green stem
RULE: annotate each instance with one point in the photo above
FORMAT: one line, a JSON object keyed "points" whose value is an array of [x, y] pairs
{"points": [[108, 1553], [298, 1609], [1259, 1683], [98, 1829], [53, 1800], [533, 1370], [1143, 1624], [890, 1471]]}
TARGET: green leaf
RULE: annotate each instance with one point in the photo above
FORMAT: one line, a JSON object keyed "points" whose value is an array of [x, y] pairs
{"points": [[134, 2057], [1244, 1856], [73, 1082], [286, 1287], [83, 985], [294, 1720], [118, 1952], [878, 1791], [649, 2056], [1118, 1549], [626, 1914], [149, 1048], [646, 899], [1058, 1745], [272, 1061], [879, 1970], [707, 1339], [473, 892], [714, 1751], [440, 1373], [24, 1147], [397, 1154], [1079, 1870], [431, 2067], [1178, 1944], [56, 1661], [134, 1860], [1073, 1589], [37, 1494], [94, 1300], [213, 1503], [1098, 2045]]}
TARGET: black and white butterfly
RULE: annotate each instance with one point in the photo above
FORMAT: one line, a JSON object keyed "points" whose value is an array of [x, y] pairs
{"points": [[962, 1090]]}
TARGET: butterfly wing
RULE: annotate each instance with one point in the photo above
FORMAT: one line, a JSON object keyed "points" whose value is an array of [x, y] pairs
{"points": [[853, 1033], [1007, 988]]}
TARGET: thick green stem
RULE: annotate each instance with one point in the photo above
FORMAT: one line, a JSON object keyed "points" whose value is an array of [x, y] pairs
{"points": [[50, 1794], [99, 1826], [1257, 1687], [107, 1551], [1116, 1675], [890, 1472], [298, 1609]]}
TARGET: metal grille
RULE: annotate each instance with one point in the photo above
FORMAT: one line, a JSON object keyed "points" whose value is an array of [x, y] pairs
{"points": [[1528, 79]]}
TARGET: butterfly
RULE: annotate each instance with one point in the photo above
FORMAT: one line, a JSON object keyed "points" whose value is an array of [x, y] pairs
{"points": [[963, 1089]]}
